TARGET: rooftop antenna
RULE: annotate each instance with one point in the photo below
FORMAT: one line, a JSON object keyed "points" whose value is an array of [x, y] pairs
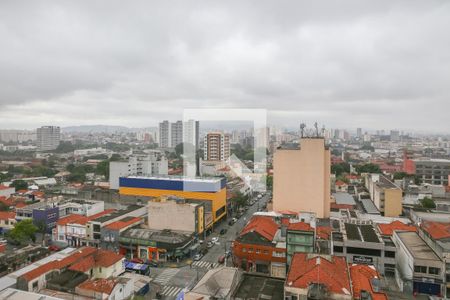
{"points": [[302, 129]]}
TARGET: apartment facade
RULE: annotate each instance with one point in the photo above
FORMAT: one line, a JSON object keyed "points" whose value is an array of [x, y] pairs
{"points": [[216, 146], [301, 180], [386, 196], [433, 171], [154, 163], [48, 137]]}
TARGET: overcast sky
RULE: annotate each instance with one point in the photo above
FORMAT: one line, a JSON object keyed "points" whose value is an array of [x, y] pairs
{"points": [[370, 64]]}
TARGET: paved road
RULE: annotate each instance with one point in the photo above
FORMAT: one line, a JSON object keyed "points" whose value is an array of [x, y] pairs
{"points": [[232, 232], [171, 281]]}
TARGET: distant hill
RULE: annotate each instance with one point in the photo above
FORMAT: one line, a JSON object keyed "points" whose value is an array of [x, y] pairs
{"points": [[96, 129]]}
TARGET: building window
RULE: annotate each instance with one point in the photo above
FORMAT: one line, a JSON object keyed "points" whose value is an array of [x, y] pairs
{"points": [[389, 254], [100, 269], [244, 250], [420, 269], [434, 271], [266, 252], [258, 251], [250, 250]]}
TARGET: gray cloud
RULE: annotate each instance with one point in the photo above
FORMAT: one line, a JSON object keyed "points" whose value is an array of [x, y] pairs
{"points": [[344, 63]]}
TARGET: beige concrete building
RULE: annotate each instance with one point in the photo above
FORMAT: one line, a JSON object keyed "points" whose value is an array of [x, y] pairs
{"points": [[175, 214], [386, 196], [301, 180]]}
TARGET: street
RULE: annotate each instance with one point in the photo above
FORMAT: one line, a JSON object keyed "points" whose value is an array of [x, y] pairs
{"points": [[171, 281]]}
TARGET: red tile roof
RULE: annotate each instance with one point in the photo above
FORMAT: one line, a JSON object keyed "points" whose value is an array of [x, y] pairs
{"points": [[100, 258], [5, 215], [80, 219], [340, 183], [437, 230], [362, 276], [300, 226], [122, 224], [323, 232], [4, 187], [388, 229], [105, 286], [265, 226], [59, 264], [306, 269]]}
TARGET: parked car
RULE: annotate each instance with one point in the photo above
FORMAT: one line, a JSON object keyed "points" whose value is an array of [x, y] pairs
{"points": [[209, 244], [53, 248], [221, 259], [215, 239], [223, 231], [200, 242], [197, 257]]}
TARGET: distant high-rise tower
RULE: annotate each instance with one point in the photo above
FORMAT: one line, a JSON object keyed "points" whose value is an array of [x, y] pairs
{"points": [[48, 137], [191, 132], [359, 132], [216, 146], [164, 134], [395, 135], [301, 178], [176, 133]]}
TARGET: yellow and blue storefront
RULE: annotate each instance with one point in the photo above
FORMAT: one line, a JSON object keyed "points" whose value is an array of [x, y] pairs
{"points": [[211, 189]]}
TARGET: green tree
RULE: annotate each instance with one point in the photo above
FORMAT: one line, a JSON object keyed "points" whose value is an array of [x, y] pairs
{"points": [[368, 168], [240, 200], [427, 203], [19, 185], [115, 157], [4, 207], [76, 177], [269, 182], [65, 147], [22, 232], [103, 168], [400, 175], [339, 169]]}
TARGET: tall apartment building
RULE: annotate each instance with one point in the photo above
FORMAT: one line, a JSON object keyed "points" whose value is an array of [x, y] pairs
{"points": [[191, 133], [359, 132], [164, 134], [137, 165], [386, 196], [301, 180], [48, 137], [433, 171], [176, 133], [173, 134], [216, 146], [395, 135]]}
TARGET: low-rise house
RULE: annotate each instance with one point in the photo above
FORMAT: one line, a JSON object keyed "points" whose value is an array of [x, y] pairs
{"points": [[111, 289], [6, 191], [81, 264], [314, 276], [218, 283], [260, 247], [340, 186], [71, 230], [7, 220]]}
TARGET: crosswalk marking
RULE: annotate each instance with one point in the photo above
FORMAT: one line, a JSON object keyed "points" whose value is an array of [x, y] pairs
{"points": [[165, 276], [171, 291], [204, 264]]}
